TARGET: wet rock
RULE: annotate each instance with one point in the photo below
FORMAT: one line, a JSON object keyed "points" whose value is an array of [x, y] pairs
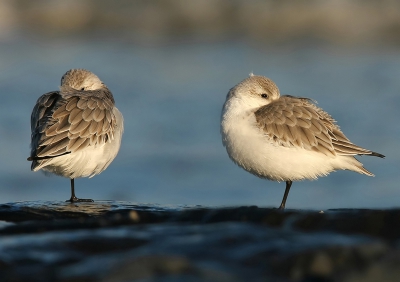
{"points": [[379, 223], [122, 241]]}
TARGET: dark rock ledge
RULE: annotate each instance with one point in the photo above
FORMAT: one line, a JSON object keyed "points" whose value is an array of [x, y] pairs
{"points": [[123, 241]]}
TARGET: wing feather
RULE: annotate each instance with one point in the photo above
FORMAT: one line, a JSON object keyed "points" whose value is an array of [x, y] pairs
{"points": [[51, 149], [61, 112], [74, 144], [307, 139], [291, 120], [297, 122], [75, 116], [52, 130], [99, 127], [54, 139], [71, 104], [98, 114], [296, 133], [87, 113], [82, 104], [85, 133], [92, 127], [279, 131], [62, 124], [92, 104], [79, 127], [311, 139], [303, 122]]}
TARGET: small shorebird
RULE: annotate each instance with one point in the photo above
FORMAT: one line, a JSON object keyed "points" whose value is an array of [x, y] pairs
{"points": [[77, 131], [284, 138]]}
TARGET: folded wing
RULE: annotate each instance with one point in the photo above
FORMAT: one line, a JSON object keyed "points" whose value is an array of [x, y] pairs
{"points": [[297, 122], [60, 126]]}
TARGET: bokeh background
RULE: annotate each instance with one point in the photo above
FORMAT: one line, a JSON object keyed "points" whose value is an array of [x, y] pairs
{"points": [[170, 63]]}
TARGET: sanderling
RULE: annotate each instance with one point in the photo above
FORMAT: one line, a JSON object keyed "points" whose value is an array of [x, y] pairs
{"points": [[284, 138], [77, 131]]}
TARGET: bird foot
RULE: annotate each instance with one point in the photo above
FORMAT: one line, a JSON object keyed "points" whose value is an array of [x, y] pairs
{"points": [[75, 199]]}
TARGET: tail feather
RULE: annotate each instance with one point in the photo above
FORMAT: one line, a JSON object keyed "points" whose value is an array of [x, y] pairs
{"points": [[363, 170], [357, 166], [375, 154]]}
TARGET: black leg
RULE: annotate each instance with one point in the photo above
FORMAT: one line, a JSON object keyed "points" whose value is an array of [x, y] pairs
{"points": [[288, 185], [73, 197]]}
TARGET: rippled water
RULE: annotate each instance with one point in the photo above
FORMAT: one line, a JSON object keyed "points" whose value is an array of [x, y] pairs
{"points": [[171, 97]]}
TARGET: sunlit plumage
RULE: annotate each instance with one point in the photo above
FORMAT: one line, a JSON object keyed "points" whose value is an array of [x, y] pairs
{"points": [[284, 138], [77, 131]]}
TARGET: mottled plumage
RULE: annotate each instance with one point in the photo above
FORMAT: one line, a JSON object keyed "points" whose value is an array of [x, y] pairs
{"points": [[76, 132], [284, 138], [297, 122]]}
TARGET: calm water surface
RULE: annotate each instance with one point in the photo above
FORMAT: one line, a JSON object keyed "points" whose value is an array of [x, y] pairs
{"points": [[171, 97]]}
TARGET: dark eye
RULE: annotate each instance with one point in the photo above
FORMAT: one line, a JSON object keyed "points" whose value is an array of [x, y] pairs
{"points": [[264, 96], [82, 89]]}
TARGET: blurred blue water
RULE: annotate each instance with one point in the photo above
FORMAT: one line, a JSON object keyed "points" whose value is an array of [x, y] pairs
{"points": [[171, 97]]}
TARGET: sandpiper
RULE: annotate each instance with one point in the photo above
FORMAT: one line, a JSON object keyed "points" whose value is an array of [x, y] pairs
{"points": [[284, 138], [77, 131]]}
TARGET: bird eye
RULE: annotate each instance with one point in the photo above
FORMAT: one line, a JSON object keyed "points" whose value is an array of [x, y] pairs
{"points": [[83, 88], [264, 95]]}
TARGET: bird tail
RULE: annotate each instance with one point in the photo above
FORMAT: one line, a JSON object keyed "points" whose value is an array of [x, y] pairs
{"points": [[375, 154], [363, 170], [355, 165]]}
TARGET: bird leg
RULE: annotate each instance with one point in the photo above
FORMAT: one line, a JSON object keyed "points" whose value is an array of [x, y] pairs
{"points": [[73, 197], [288, 185]]}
